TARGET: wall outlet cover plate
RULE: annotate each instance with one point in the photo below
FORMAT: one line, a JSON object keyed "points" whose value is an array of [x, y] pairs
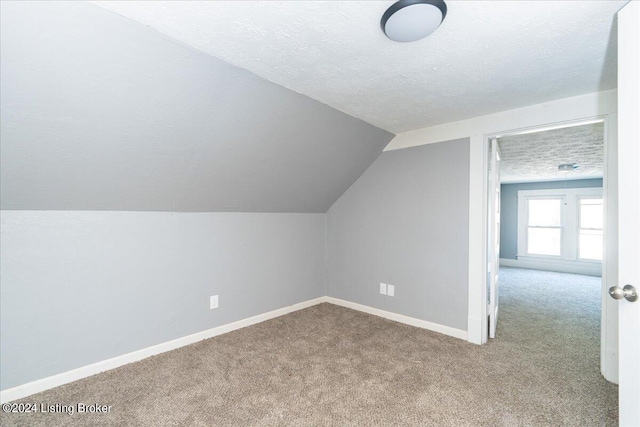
{"points": [[383, 288], [213, 302]]}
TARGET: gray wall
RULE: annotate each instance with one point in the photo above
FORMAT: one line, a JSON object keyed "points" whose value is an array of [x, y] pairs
{"points": [[102, 117], [405, 221], [81, 287], [509, 209], [102, 113]]}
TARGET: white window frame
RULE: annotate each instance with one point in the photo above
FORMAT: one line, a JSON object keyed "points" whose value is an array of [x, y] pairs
{"points": [[569, 221]]}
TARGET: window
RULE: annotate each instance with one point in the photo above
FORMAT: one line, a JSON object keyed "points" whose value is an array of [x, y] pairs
{"points": [[561, 224], [590, 243], [544, 228]]}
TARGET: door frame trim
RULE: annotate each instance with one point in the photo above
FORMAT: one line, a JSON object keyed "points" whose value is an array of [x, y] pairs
{"points": [[608, 333]]}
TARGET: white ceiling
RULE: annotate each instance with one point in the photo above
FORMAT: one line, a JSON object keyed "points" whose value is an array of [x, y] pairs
{"points": [[536, 156], [487, 56]]}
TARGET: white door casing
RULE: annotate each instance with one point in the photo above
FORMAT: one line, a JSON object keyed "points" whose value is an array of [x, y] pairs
{"points": [[493, 233], [629, 210], [552, 115]]}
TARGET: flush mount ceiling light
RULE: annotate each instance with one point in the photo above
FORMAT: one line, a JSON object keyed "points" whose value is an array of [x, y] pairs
{"points": [[411, 20], [567, 167]]}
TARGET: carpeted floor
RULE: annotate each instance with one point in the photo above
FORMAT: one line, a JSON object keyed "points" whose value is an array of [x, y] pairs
{"points": [[329, 365]]}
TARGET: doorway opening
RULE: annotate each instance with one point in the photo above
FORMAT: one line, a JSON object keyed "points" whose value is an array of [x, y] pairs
{"points": [[547, 225]]}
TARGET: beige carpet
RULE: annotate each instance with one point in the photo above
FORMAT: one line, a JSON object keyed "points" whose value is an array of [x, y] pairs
{"points": [[328, 365]]}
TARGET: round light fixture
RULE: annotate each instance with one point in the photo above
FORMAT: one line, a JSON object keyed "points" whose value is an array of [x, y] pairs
{"points": [[567, 167], [411, 20]]}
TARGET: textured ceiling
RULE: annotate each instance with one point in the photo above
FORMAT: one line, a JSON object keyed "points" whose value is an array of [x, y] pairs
{"points": [[536, 156], [487, 56], [101, 113]]}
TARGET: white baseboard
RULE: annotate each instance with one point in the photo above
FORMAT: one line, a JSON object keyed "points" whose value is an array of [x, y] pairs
{"points": [[575, 267], [446, 330], [57, 380], [47, 383]]}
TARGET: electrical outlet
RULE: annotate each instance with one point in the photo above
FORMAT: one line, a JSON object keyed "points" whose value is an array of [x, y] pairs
{"points": [[391, 290], [383, 288], [213, 302]]}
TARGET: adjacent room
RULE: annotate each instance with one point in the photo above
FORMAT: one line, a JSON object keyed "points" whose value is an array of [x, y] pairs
{"points": [[551, 239], [258, 213]]}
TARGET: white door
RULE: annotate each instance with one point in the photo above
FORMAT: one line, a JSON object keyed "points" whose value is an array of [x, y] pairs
{"points": [[629, 210], [493, 251]]}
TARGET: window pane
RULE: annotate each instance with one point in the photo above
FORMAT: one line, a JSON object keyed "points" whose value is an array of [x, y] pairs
{"points": [[545, 212], [591, 213], [544, 241], [591, 244]]}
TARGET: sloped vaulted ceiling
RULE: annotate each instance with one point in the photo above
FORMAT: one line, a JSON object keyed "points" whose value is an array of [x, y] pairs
{"points": [[102, 113]]}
